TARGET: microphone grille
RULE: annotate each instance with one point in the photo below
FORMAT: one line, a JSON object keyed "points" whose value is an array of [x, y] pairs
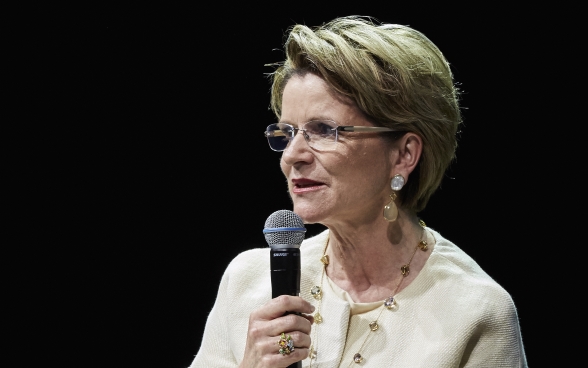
{"points": [[284, 228]]}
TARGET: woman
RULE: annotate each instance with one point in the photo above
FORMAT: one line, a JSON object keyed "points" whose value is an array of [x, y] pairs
{"points": [[368, 115]]}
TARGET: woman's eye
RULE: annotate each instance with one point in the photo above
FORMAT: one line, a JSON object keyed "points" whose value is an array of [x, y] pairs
{"points": [[287, 130], [320, 128]]}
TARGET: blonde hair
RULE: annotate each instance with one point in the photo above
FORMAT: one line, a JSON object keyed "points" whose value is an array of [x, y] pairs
{"points": [[397, 77]]}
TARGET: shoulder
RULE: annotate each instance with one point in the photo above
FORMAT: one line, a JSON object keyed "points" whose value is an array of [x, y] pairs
{"points": [[249, 263], [452, 268], [450, 259], [246, 281], [476, 306]]}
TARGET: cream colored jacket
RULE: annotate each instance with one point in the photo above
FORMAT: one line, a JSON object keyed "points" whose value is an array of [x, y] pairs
{"points": [[452, 315]]}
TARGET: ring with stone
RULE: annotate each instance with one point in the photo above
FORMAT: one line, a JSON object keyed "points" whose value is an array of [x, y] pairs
{"points": [[286, 344]]}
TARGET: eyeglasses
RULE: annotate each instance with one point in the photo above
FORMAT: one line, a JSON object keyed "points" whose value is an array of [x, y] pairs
{"points": [[320, 134]]}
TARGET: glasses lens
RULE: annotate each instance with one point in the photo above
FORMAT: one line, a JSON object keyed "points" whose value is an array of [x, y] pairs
{"points": [[278, 136], [322, 134]]}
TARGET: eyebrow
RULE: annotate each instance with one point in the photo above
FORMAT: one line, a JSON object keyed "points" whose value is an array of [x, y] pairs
{"points": [[306, 121]]}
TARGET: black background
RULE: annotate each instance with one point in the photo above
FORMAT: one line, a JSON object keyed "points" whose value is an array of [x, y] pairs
{"points": [[146, 170]]}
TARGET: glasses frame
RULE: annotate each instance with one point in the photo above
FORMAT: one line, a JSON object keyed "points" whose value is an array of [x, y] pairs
{"points": [[337, 129]]}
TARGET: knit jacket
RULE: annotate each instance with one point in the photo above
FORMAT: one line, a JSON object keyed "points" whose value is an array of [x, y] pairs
{"points": [[453, 314]]}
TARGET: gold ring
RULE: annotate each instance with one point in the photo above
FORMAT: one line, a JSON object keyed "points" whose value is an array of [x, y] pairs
{"points": [[286, 344]]}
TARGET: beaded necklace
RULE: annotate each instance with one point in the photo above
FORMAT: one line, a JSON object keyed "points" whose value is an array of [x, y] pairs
{"points": [[388, 304]]}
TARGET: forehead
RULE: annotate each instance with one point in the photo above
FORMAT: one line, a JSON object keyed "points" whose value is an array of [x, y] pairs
{"points": [[309, 97]]}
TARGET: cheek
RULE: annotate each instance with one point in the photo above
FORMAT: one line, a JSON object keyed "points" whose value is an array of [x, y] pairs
{"points": [[370, 170], [285, 168]]}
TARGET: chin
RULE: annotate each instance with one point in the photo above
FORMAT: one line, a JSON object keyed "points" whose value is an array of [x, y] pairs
{"points": [[310, 214]]}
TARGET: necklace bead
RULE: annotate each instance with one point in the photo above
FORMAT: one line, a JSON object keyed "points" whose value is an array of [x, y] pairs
{"points": [[312, 353], [423, 245], [318, 319], [390, 302], [316, 292]]}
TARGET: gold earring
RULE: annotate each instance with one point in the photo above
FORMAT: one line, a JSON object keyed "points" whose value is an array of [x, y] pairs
{"points": [[391, 210]]}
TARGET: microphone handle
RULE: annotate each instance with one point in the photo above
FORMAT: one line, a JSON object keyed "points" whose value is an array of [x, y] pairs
{"points": [[285, 274], [285, 271]]}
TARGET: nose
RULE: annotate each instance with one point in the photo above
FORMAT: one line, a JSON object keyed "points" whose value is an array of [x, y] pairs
{"points": [[298, 149]]}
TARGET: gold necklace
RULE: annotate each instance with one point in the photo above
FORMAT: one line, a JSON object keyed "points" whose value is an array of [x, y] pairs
{"points": [[389, 303]]}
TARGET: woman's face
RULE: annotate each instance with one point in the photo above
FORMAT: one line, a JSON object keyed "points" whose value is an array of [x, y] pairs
{"points": [[347, 185]]}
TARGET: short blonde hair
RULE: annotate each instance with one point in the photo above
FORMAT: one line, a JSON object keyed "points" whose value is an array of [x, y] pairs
{"points": [[397, 77]]}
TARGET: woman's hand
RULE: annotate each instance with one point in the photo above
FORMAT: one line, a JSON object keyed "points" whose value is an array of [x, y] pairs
{"points": [[267, 323]]}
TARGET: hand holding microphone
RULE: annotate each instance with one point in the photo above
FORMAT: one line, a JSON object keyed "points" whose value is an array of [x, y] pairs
{"points": [[279, 331]]}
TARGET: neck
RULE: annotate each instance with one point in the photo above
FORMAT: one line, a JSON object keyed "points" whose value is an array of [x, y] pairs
{"points": [[365, 260]]}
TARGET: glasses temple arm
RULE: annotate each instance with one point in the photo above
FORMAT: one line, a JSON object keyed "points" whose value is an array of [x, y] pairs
{"points": [[350, 128], [274, 133]]}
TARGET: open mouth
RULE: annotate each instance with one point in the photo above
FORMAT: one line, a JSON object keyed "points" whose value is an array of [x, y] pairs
{"points": [[304, 185]]}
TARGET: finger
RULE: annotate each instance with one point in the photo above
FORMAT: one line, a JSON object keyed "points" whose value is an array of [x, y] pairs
{"points": [[290, 353], [297, 339], [309, 318], [289, 323], [284, 303], [297, 355], [301, 340], [279, 360]]}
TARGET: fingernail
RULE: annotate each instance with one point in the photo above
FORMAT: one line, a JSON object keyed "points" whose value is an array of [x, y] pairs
{"points": [[312, 308]]}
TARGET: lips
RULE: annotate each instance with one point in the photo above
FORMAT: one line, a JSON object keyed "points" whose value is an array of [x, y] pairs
{"points": [[306, 185]]}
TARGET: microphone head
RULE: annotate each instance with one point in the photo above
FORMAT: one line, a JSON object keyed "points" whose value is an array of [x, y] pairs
{"points": [[284, 229]]}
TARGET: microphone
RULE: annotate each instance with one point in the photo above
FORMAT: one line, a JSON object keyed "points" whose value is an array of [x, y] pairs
{"points": [[284, 232]]}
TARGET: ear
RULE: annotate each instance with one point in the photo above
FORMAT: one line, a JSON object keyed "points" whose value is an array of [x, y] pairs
{"points": [[406, 155]]}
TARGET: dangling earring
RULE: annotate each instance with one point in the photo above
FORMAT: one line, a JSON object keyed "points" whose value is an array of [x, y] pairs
{"points": [[390, 210]]}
